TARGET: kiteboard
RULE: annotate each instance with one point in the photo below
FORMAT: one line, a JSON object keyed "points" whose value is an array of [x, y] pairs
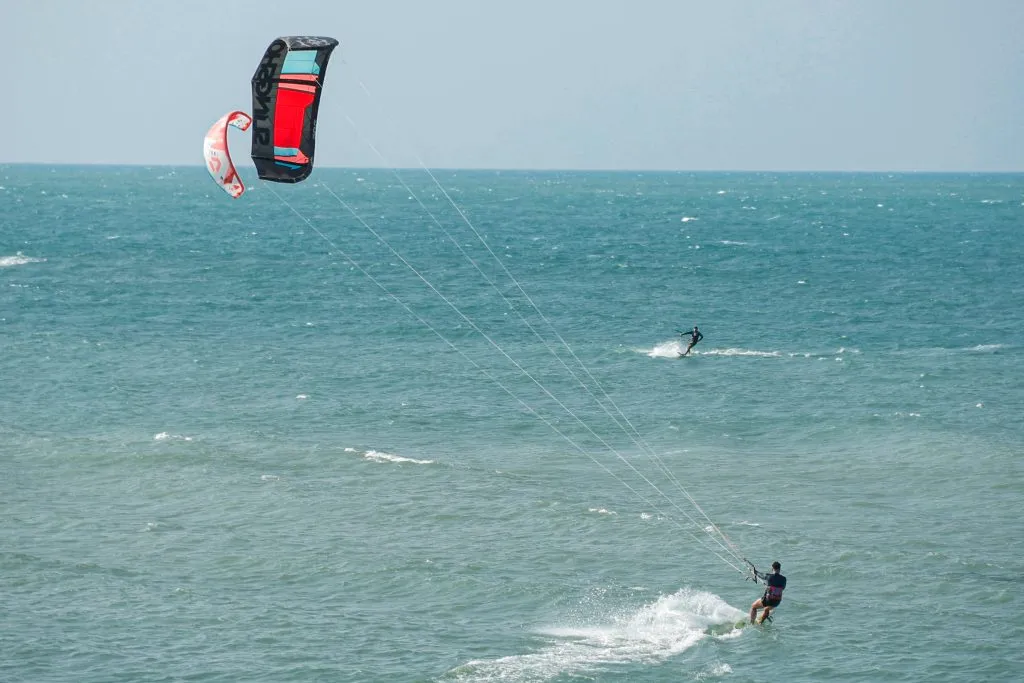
{"points": [[729, 627], [744, 623]]}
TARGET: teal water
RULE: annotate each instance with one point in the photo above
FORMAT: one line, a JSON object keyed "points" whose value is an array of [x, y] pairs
{"points": [[228, 455]]}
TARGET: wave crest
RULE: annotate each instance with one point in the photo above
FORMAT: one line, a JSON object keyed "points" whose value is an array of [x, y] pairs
{"points": [[18, 259]]}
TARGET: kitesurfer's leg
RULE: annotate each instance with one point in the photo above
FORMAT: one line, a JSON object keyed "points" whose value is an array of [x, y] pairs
{"points": [[765, 615], [753, 610]]}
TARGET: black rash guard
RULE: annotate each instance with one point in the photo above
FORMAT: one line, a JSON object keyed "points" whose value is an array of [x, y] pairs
{"points": [[773, 593]]}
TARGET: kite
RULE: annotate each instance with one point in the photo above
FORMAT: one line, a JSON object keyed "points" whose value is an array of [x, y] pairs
{"points": [[215, 151], [285, 102]]}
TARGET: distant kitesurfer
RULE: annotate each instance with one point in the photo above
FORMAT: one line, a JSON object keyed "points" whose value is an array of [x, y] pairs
{"points": [[775, 583], [695, 337]]}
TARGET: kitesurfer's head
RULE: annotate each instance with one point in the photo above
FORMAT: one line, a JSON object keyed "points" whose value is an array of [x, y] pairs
{"points": [[776, 566]]}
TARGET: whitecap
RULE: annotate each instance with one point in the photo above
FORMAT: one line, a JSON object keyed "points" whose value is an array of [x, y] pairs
{"points": [[18, 259], [715, 669], [378, 456], [167, 436]]}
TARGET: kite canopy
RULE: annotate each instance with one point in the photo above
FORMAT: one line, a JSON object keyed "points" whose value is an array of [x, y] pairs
{"points": [[215, 151], [285, 100]]}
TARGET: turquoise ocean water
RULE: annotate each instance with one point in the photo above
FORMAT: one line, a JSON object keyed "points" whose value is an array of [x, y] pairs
{"points": [[235, 447]]}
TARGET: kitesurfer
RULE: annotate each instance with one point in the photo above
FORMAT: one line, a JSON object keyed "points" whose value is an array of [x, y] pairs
{"points": [[775, 583], [695, 337]]}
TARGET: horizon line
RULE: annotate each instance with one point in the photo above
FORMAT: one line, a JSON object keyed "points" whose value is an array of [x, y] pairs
{"points": [[495, 169]]}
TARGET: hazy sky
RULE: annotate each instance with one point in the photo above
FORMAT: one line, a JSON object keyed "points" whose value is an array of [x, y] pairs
{"points": [[574, 84]]}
